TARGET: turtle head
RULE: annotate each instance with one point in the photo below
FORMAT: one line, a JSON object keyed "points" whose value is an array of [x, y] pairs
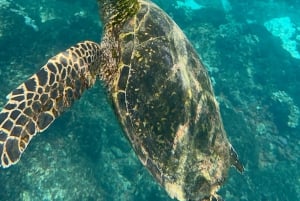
{"points": [[115, 12]]}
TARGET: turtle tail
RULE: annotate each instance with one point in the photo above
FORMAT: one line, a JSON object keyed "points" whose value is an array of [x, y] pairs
{"points": [[35, 104]]}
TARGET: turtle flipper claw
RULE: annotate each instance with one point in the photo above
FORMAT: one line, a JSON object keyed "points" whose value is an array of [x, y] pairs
{"points": [[36, 103]]}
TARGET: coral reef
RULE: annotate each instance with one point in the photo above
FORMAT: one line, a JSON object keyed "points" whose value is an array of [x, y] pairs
{"points": [[226, 5], [294, 112], [285, 29], [189, 4], [84, 155]]}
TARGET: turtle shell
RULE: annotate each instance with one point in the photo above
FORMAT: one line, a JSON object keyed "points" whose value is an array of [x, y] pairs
{"points": [[166, 105]]}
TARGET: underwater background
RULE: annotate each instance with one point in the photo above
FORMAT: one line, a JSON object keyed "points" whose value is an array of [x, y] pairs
{"points": [[252, 52]]}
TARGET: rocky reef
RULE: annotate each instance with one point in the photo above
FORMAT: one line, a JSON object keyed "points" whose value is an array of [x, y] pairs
{"points": [[251, 50]]}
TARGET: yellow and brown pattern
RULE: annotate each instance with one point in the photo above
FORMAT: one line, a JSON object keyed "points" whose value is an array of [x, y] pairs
{"points": [[35, 104]]}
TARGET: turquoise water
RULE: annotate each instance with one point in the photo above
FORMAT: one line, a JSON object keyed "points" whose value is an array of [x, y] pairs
{"points": [[252, 52]]}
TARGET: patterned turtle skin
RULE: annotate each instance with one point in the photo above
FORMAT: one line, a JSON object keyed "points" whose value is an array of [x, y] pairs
{"points": [[35, 104], [159, 89]]}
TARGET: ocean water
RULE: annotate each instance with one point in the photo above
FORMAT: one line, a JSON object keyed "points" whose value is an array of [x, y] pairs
{"points": [[252, 52]]}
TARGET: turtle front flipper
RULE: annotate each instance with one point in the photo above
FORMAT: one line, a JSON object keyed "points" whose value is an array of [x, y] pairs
{"points": [[34, 105]]}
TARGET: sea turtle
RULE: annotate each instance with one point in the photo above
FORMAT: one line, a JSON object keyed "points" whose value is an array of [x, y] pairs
{"points": [[159, 89]]}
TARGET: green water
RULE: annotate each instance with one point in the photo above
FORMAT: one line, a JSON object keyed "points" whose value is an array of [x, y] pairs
{"points": [[251, 50]]}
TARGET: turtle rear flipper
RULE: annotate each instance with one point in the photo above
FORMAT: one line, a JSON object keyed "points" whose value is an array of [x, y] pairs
{"points": [[35, 104], [234, 159]]}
